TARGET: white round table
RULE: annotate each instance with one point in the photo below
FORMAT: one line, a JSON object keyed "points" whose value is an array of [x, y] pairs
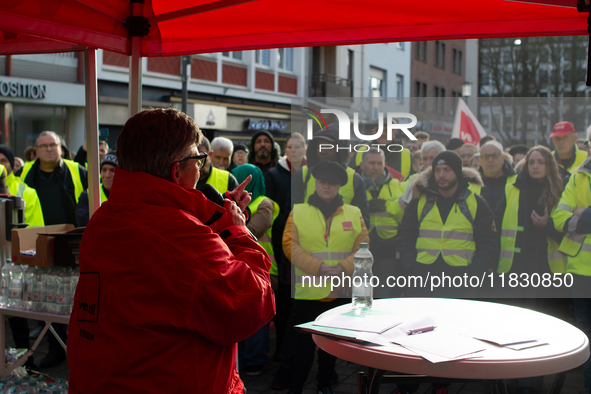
{"points": [[567, 348]]}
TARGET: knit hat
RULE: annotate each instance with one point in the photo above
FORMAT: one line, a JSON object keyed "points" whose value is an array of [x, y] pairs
{"points": [[333, 172], [450, 158], [110, 158], [240, 147], [258, 134], [454, 143], [6, 151]]}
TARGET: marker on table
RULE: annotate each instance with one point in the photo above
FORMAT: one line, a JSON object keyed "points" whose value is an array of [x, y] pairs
{"points": [[420, 330]]}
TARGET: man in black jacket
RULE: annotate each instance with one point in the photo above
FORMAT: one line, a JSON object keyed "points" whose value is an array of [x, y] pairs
{"points": [[447, 228]]}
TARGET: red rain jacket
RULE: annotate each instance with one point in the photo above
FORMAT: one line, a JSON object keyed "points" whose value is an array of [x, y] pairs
{"points": [[162, 300]]}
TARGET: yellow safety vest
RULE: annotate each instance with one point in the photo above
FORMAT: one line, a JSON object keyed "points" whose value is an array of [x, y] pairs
{"points": [[347, 191], [577, 247], [219, 179], [74, 172], [33, 212], [405, 161], [103, 195], [454, 239], [337, 246], [509, 229], [386, 222], [476, 188], [265, 241], [580, 157]]}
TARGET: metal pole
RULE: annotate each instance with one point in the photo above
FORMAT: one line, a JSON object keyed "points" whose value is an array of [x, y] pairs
{"points": [[92, 134], [185, 61], [135, 66]]}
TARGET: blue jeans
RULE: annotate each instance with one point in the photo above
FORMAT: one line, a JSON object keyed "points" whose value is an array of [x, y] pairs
{"points": [[252, 352]]}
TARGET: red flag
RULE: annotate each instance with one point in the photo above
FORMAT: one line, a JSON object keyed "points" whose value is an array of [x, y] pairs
{"points": [[466, 126]]}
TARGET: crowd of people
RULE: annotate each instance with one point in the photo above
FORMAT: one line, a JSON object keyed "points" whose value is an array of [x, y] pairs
{"points": [[459, 208]]}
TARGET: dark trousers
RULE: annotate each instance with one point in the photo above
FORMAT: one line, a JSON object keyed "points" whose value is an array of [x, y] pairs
{"points": [[304, 346], [54, 346], [283, 303], [20, 331]]}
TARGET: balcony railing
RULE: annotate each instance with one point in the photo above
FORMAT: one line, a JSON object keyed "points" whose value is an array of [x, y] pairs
{"points": [[326, 85]]}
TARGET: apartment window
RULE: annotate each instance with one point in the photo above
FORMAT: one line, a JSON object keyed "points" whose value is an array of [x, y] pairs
{"points": [[421, 94], [233, 55], [285, 58], [457, 58], [263, 57], [399, 87], [439, 99], [421, 51], [439, 54], [377, 82]]}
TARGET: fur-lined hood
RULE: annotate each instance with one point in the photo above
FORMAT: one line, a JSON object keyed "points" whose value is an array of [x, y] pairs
{"points": [[425, 181]]}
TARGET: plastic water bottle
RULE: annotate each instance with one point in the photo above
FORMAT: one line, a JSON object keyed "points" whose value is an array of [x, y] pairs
{"points": [[28, 281], [62, 302], [5, 281], [15, 287], [73, 285], [51, 290], [39, 291], [33, 387], [362, 290]]}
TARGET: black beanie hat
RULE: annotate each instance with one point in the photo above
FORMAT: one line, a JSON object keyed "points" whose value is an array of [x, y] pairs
{"points": [[450, 158], [110, 158], [330, 171], [6, 151], [454, 143], [240, 147]]}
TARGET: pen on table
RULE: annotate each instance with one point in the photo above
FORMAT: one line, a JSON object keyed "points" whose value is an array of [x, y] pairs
{"points": [[420, 330]]}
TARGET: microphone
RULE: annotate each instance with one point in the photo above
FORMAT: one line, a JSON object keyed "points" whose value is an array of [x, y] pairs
{"points": [[213, 195]]}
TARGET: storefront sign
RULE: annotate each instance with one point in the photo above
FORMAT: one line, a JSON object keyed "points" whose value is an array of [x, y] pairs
{"points": [[268, 125], [24, 90], [210, 116]]}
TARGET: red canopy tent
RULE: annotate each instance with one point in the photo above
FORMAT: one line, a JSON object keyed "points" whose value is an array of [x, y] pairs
{"points": [[165, 28]]}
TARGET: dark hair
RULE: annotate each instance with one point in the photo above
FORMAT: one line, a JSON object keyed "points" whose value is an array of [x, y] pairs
{"points": [[553, 189], [152, 140], [205, 142], [486, 139]]}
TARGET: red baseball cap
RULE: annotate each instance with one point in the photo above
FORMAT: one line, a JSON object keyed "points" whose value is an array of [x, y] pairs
{"points": [[562, 128]]}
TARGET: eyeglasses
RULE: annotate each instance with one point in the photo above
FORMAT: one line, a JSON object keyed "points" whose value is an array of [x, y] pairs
{"points": [[201, 159], [493, 156], [45, 146]]}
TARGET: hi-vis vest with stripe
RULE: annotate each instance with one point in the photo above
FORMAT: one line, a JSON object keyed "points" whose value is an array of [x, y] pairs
{"points": [[454, 239], [405, 161], [337, 246], [265, 241], [577, 247], [33, 212], [74, 173], [385, 222], [509, 231], [347, 191], [218, 179]]}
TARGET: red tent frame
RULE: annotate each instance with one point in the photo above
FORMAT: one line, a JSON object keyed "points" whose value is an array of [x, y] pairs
{"points": [[166, 28]]}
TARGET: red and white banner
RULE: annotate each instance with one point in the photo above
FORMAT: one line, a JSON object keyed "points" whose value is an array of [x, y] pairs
{"points": [[466, 126]]}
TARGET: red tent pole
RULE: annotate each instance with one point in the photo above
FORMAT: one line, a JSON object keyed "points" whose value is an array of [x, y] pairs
{"points": [[92, 134]]}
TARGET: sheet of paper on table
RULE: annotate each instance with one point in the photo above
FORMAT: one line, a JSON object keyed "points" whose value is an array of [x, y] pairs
{"points": [[363, 322], [512, 338]]}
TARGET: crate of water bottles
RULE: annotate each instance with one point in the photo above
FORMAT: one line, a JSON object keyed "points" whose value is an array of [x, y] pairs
{"points": [[32, 385], [38, 289]]}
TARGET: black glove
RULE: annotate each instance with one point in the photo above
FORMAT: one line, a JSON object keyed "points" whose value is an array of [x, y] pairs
{"points": [[377, 205]]}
